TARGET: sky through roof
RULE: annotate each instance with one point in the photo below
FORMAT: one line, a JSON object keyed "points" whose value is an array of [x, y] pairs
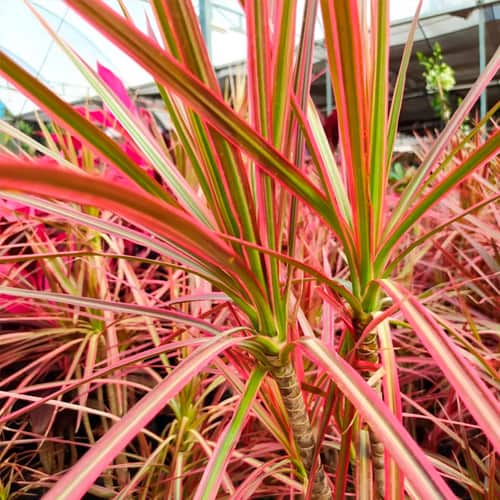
{"points": [[23, 39]]}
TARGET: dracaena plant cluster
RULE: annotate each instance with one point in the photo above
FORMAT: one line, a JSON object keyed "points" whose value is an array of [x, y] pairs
{"points": [[224, 317]]}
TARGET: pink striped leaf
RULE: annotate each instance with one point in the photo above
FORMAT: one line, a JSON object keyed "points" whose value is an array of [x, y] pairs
{"points": [[423, 478], [68, 387], [76, 482], [458, 371], [63, 114], [443, 140], [146, 211], [117, 307], [175, 77]]}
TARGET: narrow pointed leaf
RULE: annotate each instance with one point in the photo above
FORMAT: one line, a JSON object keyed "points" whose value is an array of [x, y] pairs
{"points": [[331, 168], [440, 144], [283, 52], [76, 482], [213, 474], [346, 60], [417, 242], [146, 211], [378, 113], [424, 479], [399, 87], [462, 376], [117, 307], [174, 76], [15, 133], [392, 394], [63, 114], [223, 168], [479, 157]]}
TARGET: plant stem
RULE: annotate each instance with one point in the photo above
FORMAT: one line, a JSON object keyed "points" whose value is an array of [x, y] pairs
{"points": [[289, 387], [368, 352]]}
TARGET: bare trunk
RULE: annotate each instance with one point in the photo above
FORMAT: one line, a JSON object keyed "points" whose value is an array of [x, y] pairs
{"points": [[368, 352], [291, 393]]}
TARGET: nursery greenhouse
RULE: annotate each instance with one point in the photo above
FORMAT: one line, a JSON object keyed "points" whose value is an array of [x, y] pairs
{"points": [[249, 249]]}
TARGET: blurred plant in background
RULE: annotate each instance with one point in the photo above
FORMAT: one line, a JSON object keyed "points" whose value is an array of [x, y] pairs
{"points": [[439, 80]]}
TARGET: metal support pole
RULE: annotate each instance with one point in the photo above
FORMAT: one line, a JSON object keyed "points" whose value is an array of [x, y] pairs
{"points": [[328, 89], [483, 103], [205, 21]]}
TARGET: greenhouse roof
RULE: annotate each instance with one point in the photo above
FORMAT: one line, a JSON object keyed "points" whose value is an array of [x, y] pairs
{"points": [[452, 22]]}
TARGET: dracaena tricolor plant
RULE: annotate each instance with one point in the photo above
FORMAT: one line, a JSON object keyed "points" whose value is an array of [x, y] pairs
{"points": [[241, 209]]}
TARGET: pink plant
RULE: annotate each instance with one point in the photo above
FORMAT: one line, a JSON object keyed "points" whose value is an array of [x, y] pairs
{"points": [[309, 349]]}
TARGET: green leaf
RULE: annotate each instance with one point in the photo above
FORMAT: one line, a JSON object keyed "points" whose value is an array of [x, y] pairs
{"points": [[477, 158], [348, 65], [378, 113], [212, 476], [397, 96]]}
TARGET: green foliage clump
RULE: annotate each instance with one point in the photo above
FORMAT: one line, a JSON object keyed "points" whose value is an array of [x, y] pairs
{"points": [[439, 80]]}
